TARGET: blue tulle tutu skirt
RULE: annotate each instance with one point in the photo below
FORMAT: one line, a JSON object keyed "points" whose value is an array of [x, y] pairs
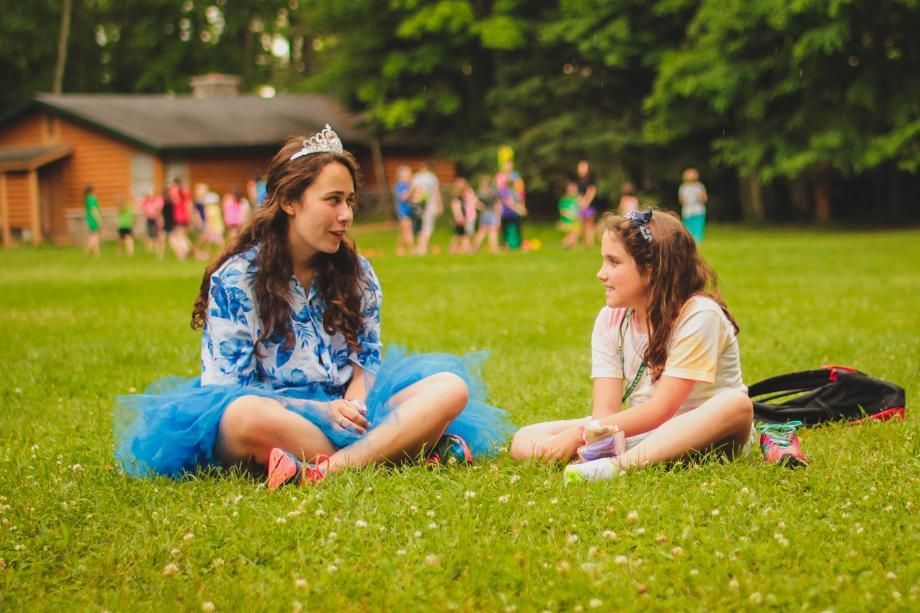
{"points": [[171, 428]]}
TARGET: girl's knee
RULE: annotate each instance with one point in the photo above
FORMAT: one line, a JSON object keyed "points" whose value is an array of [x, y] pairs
{"points": [[453, 390], [247, 418], [523, 443], [739, 406]]}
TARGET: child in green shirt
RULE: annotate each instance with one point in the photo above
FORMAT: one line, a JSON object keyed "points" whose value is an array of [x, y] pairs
{"points": [[568, 215], [126, 226]]}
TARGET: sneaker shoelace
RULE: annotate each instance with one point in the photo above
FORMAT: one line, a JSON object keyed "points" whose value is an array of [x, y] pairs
{"points": [[313, 472], [780, 435]]}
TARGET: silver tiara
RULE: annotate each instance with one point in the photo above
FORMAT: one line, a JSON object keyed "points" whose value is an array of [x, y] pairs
{"points": [[321, 142]]}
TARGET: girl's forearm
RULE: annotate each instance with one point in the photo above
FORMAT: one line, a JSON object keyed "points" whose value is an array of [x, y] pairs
{"points": [[356, 389]]}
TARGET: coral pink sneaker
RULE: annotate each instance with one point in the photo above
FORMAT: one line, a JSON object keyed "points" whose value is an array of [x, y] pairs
{"points": [[284, 468], [780, 444]]}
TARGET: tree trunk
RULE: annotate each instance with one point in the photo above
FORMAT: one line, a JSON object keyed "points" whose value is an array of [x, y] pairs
{"points": [[63, 39], [752, 207]]}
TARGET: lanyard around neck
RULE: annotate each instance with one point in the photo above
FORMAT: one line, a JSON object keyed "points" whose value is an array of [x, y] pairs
{"points": [[624, 325]]}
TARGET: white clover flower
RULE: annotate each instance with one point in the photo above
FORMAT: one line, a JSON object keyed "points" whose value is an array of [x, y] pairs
{"points": [[217, 563], [694, 572], [677, 551], [432, 560], [504, 499], [621, 559], [301, 583], [320, 512], [280, 520], [756, 597], [77, 469], [296, 606], [715, 512], [208, 606], [170, 569], [640, 531], [430, 513], [332, 535], [661, 538], [469, 494], [632, 517], [609, 534], [573, 538], [174, 551], [733, 584], [592, 551], [400, 552], [188, 536], [418, 534], [332, 568], [891, 575], [514, 478], [433, 526], [596, 603], [360, 524]]}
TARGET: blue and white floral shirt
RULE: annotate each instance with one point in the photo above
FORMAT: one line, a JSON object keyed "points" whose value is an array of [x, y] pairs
{"points": [[318, 359]]}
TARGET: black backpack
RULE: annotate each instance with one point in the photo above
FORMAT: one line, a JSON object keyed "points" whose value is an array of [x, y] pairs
{"points": [[833, 393]]}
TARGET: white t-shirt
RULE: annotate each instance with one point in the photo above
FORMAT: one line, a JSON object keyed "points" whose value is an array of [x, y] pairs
{"points": [[692, 198], [427, 183], [703, 348]]}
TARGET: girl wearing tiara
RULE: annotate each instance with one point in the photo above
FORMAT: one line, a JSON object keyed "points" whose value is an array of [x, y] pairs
{"points": [[292, 381], [666, 343]]}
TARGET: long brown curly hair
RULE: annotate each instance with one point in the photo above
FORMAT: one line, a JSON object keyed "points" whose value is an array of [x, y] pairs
{"points": [[676, 272], [338, 276]]}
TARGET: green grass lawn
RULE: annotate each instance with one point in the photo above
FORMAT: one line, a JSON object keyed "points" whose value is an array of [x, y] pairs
{"points": [[842, 534]]}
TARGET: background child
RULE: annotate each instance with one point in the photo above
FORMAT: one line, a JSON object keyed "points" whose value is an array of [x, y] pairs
{"points": [[212, 235], [587, 193], [405, 212], [510, 186], [152, 208], [489, 219], [463, 208], [93, 221], [693, 198], [628, 201], [126, 226], [665, 342], [568, 215]]}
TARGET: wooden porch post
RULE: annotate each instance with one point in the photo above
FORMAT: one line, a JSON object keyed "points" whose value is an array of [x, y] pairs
{"points": [[35, 214], [5, 238]]}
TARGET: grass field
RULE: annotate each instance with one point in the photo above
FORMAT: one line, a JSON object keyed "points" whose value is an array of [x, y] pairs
{"points": [[842, 534]]}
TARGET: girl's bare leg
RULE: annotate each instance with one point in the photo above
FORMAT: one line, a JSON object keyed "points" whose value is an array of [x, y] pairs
{"points": [[723, 420], [424, 410], [252, 426], [529, 441]]}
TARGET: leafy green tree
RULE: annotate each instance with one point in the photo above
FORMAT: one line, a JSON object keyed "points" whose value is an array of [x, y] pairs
{"points": [[805, 91]]}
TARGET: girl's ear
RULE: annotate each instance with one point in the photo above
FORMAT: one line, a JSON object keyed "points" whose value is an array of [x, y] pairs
{"points": [[289, 206]]}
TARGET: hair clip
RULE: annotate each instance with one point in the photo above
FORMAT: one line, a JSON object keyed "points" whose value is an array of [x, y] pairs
{"points": [[321, 142], [640, 220]]}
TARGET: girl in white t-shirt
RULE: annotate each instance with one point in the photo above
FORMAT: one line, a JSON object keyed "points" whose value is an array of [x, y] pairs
{"points": [[666, 343]]}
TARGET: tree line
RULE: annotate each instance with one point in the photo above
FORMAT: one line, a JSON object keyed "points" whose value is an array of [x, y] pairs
{"points": [[804, 110]]}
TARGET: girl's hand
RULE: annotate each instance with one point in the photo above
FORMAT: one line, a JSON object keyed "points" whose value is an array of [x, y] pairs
{"points": [[349, 415], [562, 447]]}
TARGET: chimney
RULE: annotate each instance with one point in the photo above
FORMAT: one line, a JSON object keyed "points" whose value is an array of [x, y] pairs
{"points": [[215, 85]]}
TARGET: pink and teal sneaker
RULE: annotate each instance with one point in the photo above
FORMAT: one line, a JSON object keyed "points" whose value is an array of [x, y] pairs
{"points": [[284, 468], [450, 449], [780, 444]]}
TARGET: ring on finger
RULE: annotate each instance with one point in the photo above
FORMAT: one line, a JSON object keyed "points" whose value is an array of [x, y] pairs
{"points": [[343, 422]]}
